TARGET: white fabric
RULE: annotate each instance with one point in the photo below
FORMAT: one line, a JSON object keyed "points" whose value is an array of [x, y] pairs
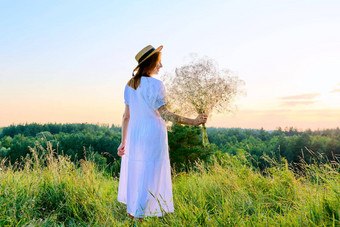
{"points": [[145, 174]]}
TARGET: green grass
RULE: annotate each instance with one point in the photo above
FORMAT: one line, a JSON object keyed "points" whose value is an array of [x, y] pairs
{"points": [[50, 190]]}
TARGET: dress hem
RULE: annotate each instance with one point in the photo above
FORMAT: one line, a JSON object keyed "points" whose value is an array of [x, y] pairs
{"points": [[148, 215]]}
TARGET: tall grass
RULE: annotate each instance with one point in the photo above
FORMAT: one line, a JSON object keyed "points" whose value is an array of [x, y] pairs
{"points": [[50, 190]]}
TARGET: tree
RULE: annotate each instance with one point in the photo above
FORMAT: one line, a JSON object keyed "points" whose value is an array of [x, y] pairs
{"points": [[186, 147]]}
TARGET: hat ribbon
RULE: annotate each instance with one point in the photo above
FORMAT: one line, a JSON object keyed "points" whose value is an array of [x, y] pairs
{"points": [[145, 55]]}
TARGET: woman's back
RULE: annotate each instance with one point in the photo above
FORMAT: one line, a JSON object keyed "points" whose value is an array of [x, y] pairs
{"points": [[147, 98]]}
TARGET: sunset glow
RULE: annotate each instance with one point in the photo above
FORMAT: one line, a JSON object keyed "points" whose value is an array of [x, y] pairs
{"points": [[68, 62]]}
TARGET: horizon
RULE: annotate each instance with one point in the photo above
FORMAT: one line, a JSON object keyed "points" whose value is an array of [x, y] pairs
{"points": [[69, 61], [286, 129]]}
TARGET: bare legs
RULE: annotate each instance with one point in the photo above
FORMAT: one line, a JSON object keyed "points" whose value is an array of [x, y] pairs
{"points": [[132, 217]]}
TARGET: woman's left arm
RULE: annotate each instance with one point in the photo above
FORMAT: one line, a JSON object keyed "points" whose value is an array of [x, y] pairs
{"points": [[125, 124]]}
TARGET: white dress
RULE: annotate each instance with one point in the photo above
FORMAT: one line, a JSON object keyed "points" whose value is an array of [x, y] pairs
{"points": [[145, 174]]}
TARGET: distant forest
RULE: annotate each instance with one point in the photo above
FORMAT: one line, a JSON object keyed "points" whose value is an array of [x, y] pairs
{"points": [[100, 142]]}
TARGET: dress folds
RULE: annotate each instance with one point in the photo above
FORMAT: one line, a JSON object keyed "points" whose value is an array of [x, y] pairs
{"points": [[145, 175]]}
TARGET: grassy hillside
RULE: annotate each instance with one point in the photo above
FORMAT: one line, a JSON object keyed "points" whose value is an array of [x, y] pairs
{"points": [[52, 190]]}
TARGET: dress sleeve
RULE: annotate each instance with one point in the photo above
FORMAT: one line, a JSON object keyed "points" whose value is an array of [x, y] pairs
{"points": [[160, 97], [126, 95]]}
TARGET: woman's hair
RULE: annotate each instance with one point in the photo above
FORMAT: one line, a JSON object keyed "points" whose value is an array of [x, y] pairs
{"points": [[145, 68]]}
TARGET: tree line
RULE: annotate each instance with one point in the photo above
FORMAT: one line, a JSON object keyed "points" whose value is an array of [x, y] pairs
{"points": [[294, 145], [100, 142]]}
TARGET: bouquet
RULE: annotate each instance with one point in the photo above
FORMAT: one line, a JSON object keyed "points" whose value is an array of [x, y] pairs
{"points": [[201, 87]]}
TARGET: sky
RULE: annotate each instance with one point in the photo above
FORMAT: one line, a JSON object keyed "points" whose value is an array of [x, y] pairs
{"points": [[68, 61]]}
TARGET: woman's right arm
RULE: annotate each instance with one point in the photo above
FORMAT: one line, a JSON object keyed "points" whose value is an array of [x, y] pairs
{"points": [[168, 115], [125, 125]]}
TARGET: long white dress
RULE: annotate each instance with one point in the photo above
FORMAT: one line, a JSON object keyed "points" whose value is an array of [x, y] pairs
{"points": [[145, 174]]}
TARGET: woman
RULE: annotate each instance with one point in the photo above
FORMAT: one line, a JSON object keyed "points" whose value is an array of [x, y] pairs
{"points": [[145, 174]]}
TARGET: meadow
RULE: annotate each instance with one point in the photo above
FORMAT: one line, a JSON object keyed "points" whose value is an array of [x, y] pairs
{"points": [[225, 190]]}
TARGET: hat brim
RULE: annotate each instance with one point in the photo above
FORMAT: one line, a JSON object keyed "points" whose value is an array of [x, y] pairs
{"points": [[155, 51]]}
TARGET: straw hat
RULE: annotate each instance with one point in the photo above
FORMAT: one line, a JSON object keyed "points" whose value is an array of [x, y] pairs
{"points": [[145, 53]]}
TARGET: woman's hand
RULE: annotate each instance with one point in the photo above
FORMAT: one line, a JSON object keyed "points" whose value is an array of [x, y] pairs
{"points": [[121, 150], [201, 119]]}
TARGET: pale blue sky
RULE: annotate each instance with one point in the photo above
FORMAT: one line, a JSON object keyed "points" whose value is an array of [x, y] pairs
{"points": [[68, 61]]}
